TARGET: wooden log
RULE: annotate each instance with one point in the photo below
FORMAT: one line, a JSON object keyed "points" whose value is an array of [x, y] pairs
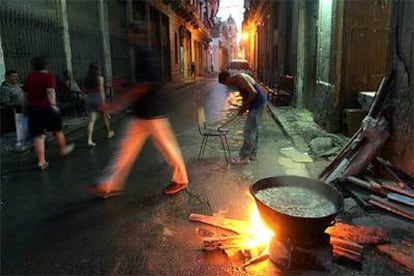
{"points": [[399, 253], [396, 173], [224, 242], [337, 252], [378, 94], [360, 183], [394, 208], [257, 259], [382, 94], [391, 182], [398, 190], [346, 244], [357, 234], [234, 225], [347, 250], [374, 184]]}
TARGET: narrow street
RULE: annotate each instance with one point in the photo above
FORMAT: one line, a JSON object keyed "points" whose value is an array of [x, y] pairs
{"points": [[332, 178], [50, 225]]}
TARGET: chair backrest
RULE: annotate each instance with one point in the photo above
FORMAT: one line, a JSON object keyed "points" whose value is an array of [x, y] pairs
{"points": [[286, 83], [201, 119]]}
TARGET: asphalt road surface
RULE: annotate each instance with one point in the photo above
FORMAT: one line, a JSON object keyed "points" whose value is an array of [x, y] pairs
{"points": [[51, 226]]}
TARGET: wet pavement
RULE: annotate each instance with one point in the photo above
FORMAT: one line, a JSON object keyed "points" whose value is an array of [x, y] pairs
{"points": [[50, 225]]}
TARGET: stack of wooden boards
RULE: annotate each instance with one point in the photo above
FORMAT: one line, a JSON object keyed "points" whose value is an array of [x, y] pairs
{"points": [[395, 197]]}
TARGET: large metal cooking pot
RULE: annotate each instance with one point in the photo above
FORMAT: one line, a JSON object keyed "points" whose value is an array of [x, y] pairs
{"points": [[297, 227]]}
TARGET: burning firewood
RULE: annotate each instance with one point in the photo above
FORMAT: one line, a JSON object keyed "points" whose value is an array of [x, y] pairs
{"points": [[234, 225], [342, 246], [232, 245], [257, 259], [242, 243], [224, 242]]}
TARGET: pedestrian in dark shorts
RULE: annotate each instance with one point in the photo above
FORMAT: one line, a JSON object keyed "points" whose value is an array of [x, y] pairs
{"points": [[43, 112]]}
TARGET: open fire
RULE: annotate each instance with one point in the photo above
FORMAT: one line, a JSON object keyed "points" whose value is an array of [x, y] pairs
{"points": [[290, 242], [259, 234]]}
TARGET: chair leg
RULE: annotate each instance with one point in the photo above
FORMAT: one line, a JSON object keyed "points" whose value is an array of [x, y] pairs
{"points": [[223, 146], [202, 147], [228, 147], [205, 145]]}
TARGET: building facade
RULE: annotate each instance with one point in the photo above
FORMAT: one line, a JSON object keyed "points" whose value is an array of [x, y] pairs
{"points": [[225, 45], [70, 34], [334, 50]]}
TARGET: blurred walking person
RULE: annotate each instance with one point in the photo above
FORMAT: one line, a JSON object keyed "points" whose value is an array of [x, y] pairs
{"points": [[43, 112], [149, 120], [93, 86]]}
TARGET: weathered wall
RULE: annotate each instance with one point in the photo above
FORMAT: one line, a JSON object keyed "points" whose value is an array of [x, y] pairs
{"points": [[365, 48], [352, 43], [304, 72], [31, 28], [309, 75], [28, 29], [120, 56], [325, 91], [2, 65], [400, 147], [86, 42]]}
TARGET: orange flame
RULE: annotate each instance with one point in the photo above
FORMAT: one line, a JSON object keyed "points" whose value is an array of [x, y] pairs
{"points": [[259, 234]]}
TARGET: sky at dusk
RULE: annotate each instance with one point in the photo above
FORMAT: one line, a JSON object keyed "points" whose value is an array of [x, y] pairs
{"points": [[233, 7]]}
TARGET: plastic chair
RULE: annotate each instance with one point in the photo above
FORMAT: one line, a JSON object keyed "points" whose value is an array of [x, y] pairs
{"points": [[208, 131]]}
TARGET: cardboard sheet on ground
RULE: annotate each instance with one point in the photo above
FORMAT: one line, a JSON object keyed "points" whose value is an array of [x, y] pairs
{"points": [[292, 168], [296, 156]]}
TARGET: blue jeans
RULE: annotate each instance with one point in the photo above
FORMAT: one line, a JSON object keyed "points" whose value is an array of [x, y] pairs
{"points": [[251, 133]]}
